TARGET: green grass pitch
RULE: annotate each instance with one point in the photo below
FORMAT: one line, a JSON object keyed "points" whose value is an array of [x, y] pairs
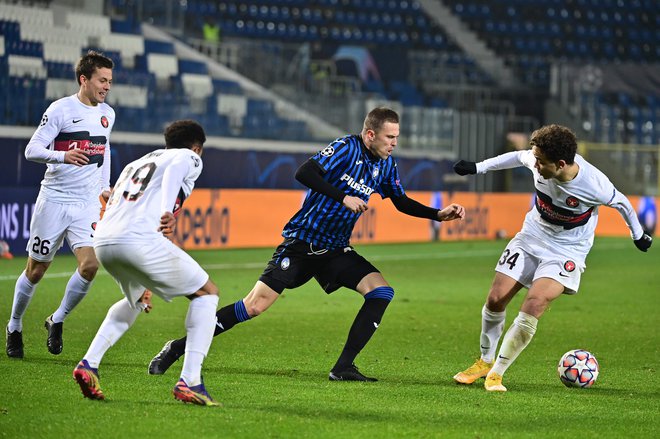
{"points": [[271, 373]]}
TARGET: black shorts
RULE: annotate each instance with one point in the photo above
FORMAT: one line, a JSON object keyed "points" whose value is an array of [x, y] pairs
{"points": [[295, 262]]}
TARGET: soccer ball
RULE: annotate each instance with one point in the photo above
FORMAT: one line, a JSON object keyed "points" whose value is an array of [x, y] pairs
{"points": [[578, 368]]}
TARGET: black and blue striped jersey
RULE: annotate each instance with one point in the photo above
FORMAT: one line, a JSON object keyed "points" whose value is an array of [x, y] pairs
{"points": [[349, 166]]}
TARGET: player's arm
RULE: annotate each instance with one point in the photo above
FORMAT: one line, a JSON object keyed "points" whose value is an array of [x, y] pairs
{"points": [[105, 173], [38, 148], [173, 178], [507, 160], [621, 203], [310, 174], [407, 205]]}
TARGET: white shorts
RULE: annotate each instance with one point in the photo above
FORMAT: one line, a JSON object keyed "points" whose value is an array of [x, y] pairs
{"points": [[53, 222], [526, 260], [158, 265]]}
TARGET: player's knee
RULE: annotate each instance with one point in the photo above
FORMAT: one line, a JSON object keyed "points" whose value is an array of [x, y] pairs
{"points": [[88, 269], [210, 289], [255, 308], [35, 272], [535, 306], [494, 303]]}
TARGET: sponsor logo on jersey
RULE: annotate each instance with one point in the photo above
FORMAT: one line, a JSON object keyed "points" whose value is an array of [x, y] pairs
{"points": [[569, 266], [327, 151], [360, 187], [285, 263], [558, 215], [104, 122], [572, 202], [77, 120]]}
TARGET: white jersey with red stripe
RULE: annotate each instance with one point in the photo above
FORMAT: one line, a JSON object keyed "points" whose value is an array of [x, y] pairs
{"points": [[154, 184], [69, 124], [565, 214]]}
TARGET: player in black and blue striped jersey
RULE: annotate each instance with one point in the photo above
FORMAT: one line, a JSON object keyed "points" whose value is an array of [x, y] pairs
{"points": [[341, 178]]}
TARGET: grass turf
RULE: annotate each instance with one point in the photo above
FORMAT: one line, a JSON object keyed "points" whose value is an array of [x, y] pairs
{"points": [[271, 373]]}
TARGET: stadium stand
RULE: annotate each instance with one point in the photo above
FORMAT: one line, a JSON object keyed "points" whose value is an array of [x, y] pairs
{"points": [[332, 57]]}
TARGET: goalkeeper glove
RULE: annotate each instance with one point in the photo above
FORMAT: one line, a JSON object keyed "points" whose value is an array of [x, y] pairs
{"points": [[644, 242], [463, 167]]}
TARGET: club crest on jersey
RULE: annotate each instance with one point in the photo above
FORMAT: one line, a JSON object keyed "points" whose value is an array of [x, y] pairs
{"points": [[104, 121], [285, 263], [569, 266], [572, 202], [375, 173]]}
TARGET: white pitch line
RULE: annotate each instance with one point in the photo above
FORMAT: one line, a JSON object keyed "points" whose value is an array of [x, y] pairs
{"points": [[382, 257]]}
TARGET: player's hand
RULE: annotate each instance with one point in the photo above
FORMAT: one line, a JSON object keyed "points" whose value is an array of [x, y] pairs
{"points": [[145, 301], [463, 167], [167, 223], [452, 212], [644, 242], [76, 157], [354, 204]]}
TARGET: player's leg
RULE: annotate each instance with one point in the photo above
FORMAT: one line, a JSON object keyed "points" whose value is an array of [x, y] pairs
{"points": [[76, 289], [47, 229], [288, 268], [260, 298], [349, 269], [118, 320], [542, 292], [493, 315], [377, 296], [79, 235], [23, 293], [199, 324]]}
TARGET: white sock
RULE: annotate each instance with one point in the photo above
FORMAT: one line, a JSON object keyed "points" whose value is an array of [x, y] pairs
{"points": [[119, 319], [492, 325], [74, 292], [200, 323], [23, 292], [515, 340]]}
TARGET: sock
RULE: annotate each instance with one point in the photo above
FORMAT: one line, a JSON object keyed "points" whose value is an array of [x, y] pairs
{"points": [[23, 292], [365, 324], [492, 325], [515, 340], [74, 292], [199, 328], [119, 319], [226, 318]]}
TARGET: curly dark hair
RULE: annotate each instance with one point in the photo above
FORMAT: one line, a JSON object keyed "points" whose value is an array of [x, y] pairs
{"points": [[556, 142], [378, 116], [90, 62], [184, 134]]}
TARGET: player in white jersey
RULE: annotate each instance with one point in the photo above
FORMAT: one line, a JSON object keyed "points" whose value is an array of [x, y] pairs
{"points": [[73, 139], [548, 255], [130, 243]]}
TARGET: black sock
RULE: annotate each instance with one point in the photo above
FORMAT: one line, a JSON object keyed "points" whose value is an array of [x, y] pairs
{"points": [[226, 318], [365, 324]]}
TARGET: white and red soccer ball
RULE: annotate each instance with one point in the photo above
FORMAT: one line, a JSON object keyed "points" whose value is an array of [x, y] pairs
{"points": [[578, 368]]}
